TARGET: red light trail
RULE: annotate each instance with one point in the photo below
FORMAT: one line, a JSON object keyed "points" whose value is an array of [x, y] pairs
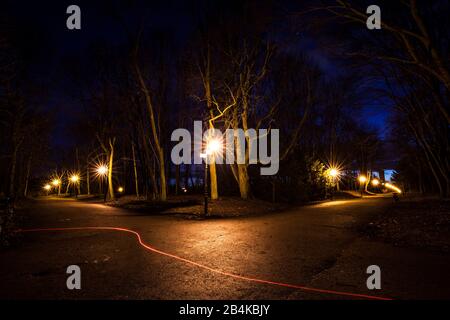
{"points": [[224, 273]]}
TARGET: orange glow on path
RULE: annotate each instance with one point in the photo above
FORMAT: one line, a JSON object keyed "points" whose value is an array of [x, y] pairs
{"points": [[217, 271]]}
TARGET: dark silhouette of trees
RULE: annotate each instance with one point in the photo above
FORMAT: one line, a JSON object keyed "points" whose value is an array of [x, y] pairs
{"points": [[408, 62], [24, 125], [242, 65]]}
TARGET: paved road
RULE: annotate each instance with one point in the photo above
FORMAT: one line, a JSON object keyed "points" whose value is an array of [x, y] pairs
{"points": [[315, 246]]}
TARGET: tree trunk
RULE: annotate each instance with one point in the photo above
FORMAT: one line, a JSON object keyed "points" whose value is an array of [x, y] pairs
{"points": [[162, 175], [88, 182], [12, 173], [177, 178], [135, 171], [243, 179], [149, 164], [244, 185], [212, 165], [213, 179], [27, 178], [110, 170], [78, 169], [429, 157], [158, 148]]}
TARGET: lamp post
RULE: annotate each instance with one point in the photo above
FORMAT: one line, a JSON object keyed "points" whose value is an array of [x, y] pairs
{"points": [[213, 146], [57, 183], [333, 173], [47, 188], [75, 179], [101, 172], [375, 182], [205, 183], [362, 179]]}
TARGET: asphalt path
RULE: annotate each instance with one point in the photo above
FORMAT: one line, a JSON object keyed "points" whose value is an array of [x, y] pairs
{"points": [[317, 246]]}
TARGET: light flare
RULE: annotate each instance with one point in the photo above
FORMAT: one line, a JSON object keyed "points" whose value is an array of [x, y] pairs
{"points": [[392, 187]]}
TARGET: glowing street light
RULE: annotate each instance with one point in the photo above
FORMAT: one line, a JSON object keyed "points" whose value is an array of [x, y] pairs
{"points": [[47, 188], [375, 182], [57, 184], [362, 179], [102, 170], [74, 179], [333, 172], [213, 146], [393, 188], [120, 189]]}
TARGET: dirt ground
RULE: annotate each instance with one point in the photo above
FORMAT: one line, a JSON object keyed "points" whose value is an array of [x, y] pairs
{"points": [[414, 222], [193, 205]]}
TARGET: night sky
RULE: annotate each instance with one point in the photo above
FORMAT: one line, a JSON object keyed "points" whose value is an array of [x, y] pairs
{"points": [[43, 25]]}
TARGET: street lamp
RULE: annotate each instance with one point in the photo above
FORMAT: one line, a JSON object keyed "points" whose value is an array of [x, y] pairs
{"points": [[102, 173], [362, 179], [120, 190], [102, 170], [334, 174], [75, 179], [213, 146], [57, 183], [375, 182], [47, 188], [205, 183]]}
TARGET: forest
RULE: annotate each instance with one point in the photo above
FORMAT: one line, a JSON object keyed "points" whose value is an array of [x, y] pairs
{"points": [[310, 69]]}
